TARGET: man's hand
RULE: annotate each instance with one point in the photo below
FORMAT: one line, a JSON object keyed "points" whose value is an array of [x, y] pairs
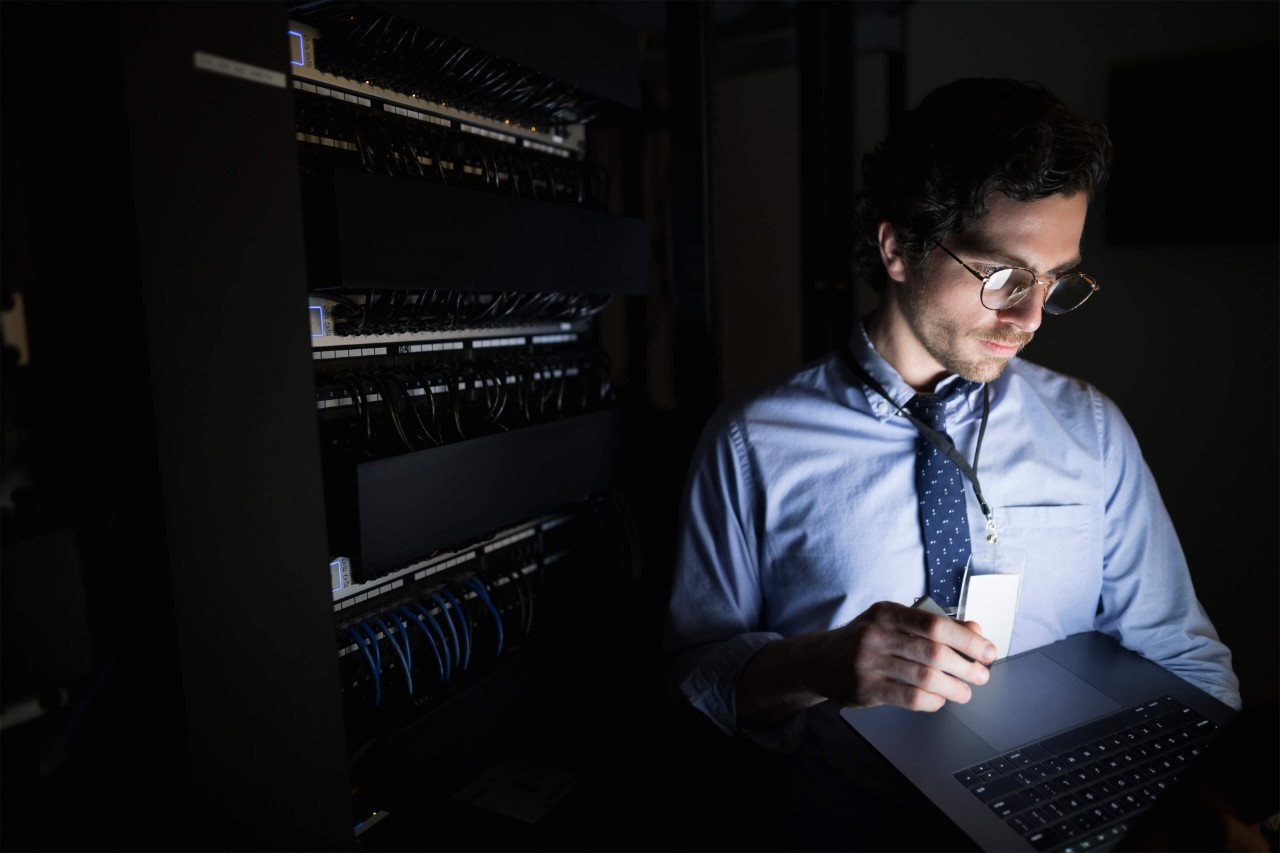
{"points": [[890, 655]]}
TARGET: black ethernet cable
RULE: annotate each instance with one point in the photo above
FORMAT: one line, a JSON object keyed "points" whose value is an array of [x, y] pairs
{"points": [[341, 298], [366, 153], [349, 382], [307, 8], [418, 307], [487, 309], [541, 374], [474, 583], [514, 580], [400, 652], [451, 313], [517, 369], [574, 305], [361, 37], [364, 310], [498, 405], [442, 672], [377, 380], [492, 87], [368, 656], [465, 80], [515, 301], [435, 414], [381, 146], [413, 407], [530, 595], [455, 398], [493, 311], [547, 306], [385, 304], [438, 161], [414, 158], [523, 159], [530, 390], [550, 368], [480, 304], [445, 69]]}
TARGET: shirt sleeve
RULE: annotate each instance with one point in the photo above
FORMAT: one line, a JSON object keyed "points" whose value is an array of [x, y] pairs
{"points": [[1149, 602], [716, 603]]}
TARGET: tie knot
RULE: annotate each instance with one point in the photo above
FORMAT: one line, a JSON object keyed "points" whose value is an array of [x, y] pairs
{"points": [[929, 408]]}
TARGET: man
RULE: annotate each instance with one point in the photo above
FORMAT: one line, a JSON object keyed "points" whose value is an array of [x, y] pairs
{"points": [[801, 552]]}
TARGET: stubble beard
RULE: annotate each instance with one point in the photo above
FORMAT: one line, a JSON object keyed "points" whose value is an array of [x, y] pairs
{"points": [[952, 349]]}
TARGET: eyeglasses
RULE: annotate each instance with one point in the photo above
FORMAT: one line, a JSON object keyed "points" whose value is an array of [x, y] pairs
{"points": [[1005, 287]]}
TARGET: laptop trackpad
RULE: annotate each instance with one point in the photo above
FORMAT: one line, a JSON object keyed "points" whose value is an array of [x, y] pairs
{"points": [[1029, 697]]}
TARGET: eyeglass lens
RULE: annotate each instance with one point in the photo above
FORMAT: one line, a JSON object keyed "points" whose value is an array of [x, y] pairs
{"points": [[1006, 288]]}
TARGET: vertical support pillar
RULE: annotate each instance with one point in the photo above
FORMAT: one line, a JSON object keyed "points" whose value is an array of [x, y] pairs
{"points": [[825, 46], [696, 357]]}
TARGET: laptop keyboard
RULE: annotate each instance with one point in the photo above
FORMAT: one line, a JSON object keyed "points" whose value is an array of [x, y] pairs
{"points": [[1082, 789]]}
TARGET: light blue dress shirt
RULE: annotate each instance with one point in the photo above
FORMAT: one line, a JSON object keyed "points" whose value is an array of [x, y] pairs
{"points": [[800, 512]]}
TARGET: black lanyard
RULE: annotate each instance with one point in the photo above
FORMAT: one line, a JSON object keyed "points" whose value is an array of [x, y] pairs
{"points": [[942, 441]]}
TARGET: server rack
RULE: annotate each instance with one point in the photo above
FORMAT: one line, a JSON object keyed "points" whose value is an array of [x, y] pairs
{"points": [[234, 675], [461, 246]]}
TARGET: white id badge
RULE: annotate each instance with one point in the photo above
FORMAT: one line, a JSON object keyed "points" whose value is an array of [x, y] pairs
{"points": [[989, 592]]}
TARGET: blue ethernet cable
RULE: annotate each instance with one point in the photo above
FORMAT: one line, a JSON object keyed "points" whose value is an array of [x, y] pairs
{"points": [[444, 611], [395, 644], [444, 644], [462, 622], [377, 682], [373, 642], [431, 641], [475, 583], [402, 629]]}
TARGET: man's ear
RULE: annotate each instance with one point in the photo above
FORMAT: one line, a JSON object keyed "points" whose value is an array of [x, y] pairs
{"points": [[895, 265]]}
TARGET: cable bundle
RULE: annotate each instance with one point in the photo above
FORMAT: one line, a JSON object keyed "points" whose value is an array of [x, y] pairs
{"points": [[363, 43]]}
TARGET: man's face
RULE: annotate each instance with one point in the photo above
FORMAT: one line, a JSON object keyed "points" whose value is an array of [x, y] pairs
{"points": [[949, 329]]}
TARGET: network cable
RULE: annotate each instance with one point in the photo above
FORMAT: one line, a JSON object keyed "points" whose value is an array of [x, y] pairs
{"points": [[518, 581], [462, 623], [402, 653], [431, 641], [373, 644], [440, 639], [448, 617], [368, 656], [475, 584]]}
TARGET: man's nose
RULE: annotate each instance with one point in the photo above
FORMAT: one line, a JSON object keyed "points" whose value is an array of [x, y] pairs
{"points": [[1028, 313]]}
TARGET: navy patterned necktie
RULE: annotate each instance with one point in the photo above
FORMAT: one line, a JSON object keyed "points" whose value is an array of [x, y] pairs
{"points": [[944, 520]]}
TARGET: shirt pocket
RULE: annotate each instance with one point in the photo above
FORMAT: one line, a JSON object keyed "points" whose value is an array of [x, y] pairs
{"points": [[1061, 583]]}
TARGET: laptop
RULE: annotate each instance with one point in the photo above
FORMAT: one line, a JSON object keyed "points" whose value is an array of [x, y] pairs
{"points": [[1063, 749]]}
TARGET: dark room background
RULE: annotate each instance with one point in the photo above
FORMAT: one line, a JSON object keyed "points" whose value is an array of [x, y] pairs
{"points": [[163, 518]]}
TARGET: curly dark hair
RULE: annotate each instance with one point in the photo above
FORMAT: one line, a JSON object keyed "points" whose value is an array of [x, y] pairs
{"points": [[936, 170]]}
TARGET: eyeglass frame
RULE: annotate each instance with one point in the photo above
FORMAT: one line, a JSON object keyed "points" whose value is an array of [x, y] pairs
{"points": [[1035, 277]]}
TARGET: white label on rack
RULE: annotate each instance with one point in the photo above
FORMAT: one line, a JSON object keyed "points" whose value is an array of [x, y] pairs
{"points": [[232, 68]]}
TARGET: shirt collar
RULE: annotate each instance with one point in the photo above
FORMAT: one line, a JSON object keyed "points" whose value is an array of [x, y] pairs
{"points": [[967, 396]]}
